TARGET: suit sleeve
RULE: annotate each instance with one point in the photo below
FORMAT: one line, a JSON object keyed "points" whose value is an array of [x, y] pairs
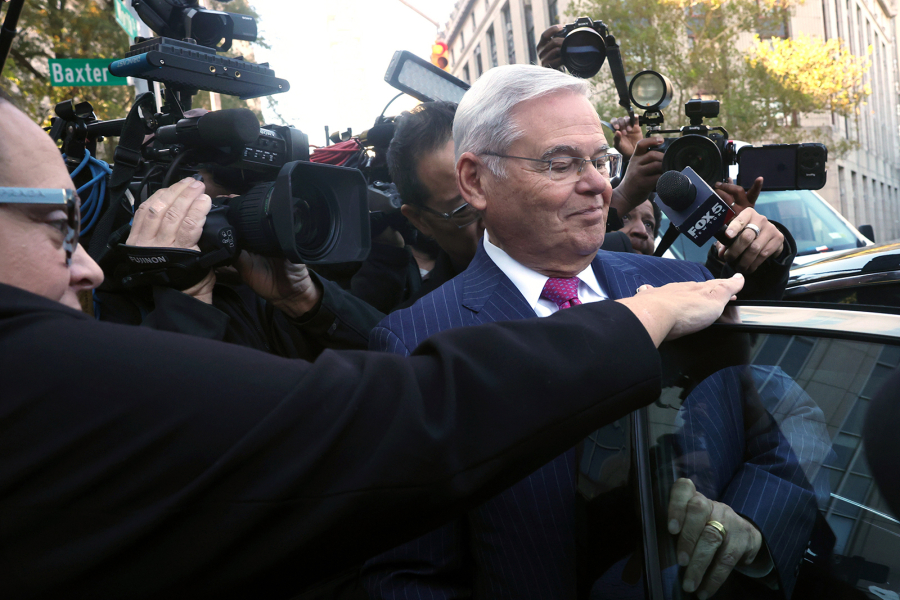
{"points": [[185, 467]]}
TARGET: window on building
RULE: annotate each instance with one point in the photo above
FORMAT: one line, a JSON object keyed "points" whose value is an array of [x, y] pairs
{"points": [[492, 45], [529, 33], [479, 69], [553, 10], [472, 14], [462, 41], [487, 6], [466, 76], [510, 42]]}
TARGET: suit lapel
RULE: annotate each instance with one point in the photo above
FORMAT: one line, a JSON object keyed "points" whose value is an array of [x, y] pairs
{"points": [[619, 278], [489, 294]]}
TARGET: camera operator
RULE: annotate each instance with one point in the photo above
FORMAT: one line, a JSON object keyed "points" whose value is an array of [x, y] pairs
{"points": [[137, 463], [269, 304]]}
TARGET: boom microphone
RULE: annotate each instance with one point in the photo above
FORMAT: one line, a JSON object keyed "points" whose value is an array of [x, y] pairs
{"points": [[693, 207], [229, 127]]}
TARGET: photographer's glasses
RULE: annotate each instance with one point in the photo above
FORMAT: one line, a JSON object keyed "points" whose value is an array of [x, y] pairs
{"points": [[461, 216], [64, 199], [568, 169]]}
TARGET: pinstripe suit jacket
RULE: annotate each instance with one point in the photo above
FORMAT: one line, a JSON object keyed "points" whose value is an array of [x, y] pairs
{"points": [[520, 544]]}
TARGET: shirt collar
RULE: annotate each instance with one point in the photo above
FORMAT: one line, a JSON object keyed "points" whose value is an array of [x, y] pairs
{"points": [[529, 282]]}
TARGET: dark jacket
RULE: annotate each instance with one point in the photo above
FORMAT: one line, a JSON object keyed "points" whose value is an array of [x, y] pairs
{"points": [[136, 463]]}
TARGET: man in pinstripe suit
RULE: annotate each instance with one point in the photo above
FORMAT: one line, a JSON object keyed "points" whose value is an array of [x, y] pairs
{"points": [[532, 158]]}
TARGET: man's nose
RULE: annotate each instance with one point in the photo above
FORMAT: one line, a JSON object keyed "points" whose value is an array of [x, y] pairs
{"points": [[592, 180], [84, 273]]}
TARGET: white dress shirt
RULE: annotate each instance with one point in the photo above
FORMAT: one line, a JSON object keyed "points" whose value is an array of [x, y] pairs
{"points": [[531, 283]]}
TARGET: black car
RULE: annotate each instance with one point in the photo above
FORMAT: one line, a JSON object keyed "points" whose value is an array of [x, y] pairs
{"points": [[864, 276], [765, 414]]}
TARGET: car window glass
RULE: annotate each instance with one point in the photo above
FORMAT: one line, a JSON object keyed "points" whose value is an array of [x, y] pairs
{"points": [[814, 227], [769, 425]]}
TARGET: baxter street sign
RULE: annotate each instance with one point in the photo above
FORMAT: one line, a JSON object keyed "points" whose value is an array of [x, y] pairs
{"points": [[78, 72], [126, 20]]}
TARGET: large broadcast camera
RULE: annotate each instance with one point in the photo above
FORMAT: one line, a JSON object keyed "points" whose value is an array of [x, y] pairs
{"points": [[287, 206]]}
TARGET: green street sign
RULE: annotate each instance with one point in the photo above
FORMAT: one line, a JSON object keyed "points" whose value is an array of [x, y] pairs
{"points": [[126, 20], [83, 72]]}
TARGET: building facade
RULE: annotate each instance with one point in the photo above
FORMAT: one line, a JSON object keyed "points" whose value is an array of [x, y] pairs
{"points": [[864, 185]]}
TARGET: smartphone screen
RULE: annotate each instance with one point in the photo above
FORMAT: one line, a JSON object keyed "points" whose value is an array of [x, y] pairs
{"points": [[776, 164]]}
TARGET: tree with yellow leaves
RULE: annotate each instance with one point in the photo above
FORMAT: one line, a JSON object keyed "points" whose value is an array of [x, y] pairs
{"points": [[762, 88]]}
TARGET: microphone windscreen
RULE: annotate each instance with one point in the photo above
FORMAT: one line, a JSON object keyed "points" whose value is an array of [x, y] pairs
{"points": [[229, 127], [676, 190], [381, 135]]}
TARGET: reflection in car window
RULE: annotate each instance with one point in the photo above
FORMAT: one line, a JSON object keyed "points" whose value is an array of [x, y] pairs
{"points": [[771, 429]]}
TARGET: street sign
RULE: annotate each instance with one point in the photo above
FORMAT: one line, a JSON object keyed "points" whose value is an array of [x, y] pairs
{"points": [[83, 72], [126, 20]]}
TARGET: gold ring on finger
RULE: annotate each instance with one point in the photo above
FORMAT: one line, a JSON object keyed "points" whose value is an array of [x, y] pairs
{"points": [[718, 527], [752, 228]]}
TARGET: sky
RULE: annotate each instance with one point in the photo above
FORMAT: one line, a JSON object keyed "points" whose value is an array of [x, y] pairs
{"points": [[334, 53]]}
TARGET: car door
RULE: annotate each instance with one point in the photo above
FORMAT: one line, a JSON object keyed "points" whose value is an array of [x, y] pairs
{"points": [[765, 415]]}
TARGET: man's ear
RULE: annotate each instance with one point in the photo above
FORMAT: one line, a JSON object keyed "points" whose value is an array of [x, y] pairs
{"points": [[414, 216], [470, 179]]}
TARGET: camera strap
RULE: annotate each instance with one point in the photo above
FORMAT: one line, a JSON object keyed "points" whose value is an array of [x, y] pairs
{"points": [[170, 267], [127, 161]]}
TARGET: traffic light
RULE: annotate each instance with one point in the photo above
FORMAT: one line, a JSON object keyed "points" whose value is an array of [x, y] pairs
{"points": [[439, 55]]}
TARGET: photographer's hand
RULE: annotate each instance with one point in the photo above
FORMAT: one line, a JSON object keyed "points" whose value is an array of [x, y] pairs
{"points": [[627, 135], [173, 218], [548, 48], [640, 178], [286, 285], [735, 193], [749, 249]]}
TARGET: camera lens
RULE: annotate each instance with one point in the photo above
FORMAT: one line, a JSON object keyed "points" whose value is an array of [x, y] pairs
{"points": [[583, 52], [650, 90], [314, 221], [697, 152]]}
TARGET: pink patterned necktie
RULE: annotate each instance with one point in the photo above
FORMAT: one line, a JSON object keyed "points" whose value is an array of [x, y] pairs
{"points": [[562, 291]]}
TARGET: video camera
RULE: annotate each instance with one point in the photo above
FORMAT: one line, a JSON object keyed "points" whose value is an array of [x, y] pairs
{"points": [[709, 152], [288, 206]]}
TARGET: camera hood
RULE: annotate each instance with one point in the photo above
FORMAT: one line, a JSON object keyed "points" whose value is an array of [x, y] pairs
{"points": [[583, 51], [312, 213]]}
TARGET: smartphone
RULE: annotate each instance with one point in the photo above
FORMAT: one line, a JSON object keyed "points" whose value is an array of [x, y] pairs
{"points": [[783, 166]]}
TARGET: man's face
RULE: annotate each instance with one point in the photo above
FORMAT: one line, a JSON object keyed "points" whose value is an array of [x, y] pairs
{"points": [[31, 238], [639, 226], [553, 227], [437, 171]]}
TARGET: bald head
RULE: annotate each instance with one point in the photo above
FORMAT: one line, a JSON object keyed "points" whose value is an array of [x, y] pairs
{"points": [[28, 157]]}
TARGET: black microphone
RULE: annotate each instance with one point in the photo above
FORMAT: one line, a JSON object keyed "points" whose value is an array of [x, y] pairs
{"points": [[693, 207], [229, 127]]}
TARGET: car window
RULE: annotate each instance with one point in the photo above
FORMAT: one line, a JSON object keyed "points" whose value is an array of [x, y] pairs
{"points": [[814, 227], [769, 425]]}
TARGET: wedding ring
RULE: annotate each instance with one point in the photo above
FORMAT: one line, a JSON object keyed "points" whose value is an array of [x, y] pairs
{"points": [[718, 527], [752, 228]]}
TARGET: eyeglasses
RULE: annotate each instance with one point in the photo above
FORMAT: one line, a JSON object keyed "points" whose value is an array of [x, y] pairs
{"points": [[570, 168], [461, 216], [50, 197]]}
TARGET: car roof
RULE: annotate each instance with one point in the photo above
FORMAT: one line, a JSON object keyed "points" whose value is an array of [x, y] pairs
{"points": [[879, 258]]}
